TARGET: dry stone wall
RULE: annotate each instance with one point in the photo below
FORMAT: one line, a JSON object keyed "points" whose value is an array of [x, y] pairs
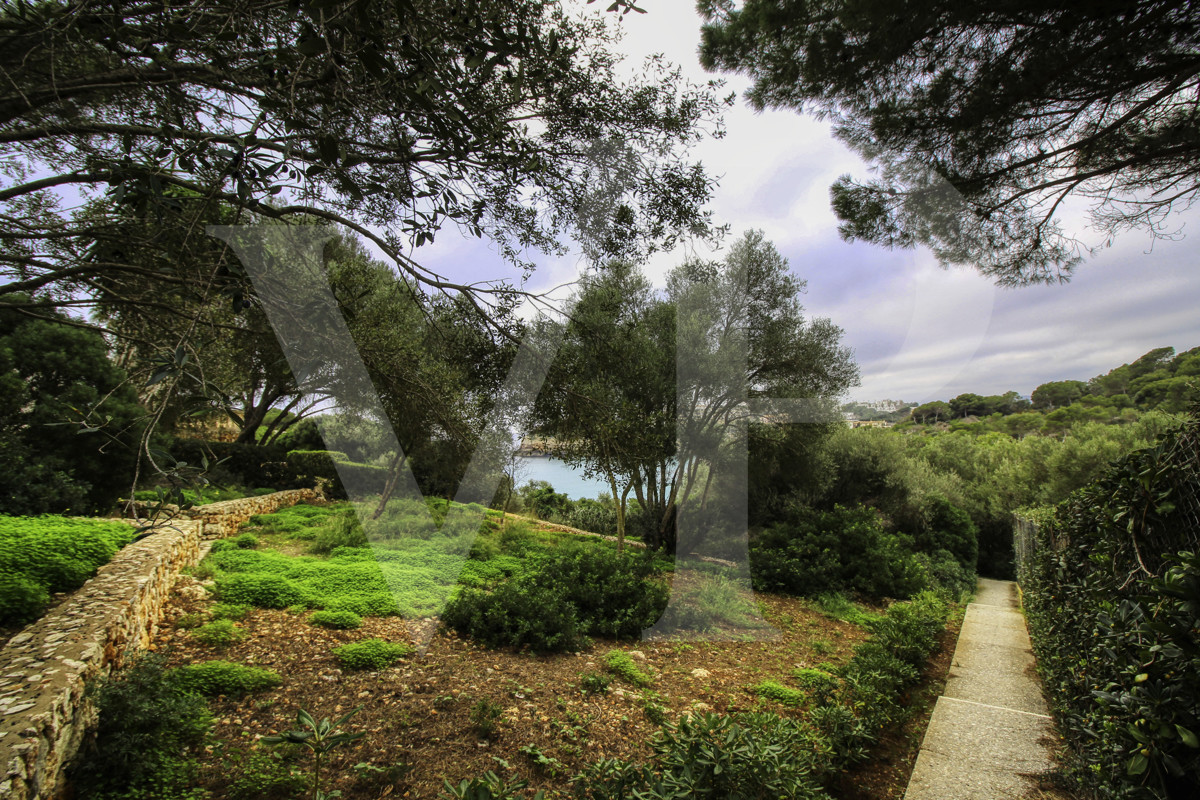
{"points": [[44, 715]]}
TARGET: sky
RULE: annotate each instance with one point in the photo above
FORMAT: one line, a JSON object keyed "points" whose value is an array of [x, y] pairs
{"points": [[918, 332]]}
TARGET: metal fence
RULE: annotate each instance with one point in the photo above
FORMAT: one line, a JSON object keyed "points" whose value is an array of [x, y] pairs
{"points": [[1150, 544]]}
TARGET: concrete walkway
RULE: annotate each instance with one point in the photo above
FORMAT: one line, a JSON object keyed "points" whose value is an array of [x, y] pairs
{"points": [[990, 730]]}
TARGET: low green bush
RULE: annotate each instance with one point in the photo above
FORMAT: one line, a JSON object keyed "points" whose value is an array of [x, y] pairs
{"points": [[612, 593], [341, 620], [773, 690], [263, 590], [233, 611], [719, 757], [372, 654], [843, 550], [748, 756], [622, 665], [219, 633], [22, 599], [148, 728], [43, 555], [212, 678], [342, 530], [516, 615]]}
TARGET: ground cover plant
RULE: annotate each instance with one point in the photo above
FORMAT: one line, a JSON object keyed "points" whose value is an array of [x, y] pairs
{"points": [[43, 555], [546, 718], [463, 708]]}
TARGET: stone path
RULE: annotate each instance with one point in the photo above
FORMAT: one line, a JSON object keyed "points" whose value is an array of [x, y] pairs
{"points": [[990, 730]]}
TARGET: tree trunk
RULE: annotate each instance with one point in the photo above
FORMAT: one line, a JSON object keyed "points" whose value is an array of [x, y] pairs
{"points": [[390, 486]]}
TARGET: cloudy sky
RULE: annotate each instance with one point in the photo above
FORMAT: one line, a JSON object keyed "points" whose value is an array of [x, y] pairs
{"points": [[919, 332]]}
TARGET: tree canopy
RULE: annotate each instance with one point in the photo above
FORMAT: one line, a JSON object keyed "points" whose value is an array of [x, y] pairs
{"points": [[985, 118], [503, 118]]}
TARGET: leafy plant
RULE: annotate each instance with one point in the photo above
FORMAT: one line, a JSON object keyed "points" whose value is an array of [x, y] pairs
{"points": [[213, 678], [487, 786], [484, 716], [233, 611], [622, 665], [543, 763], [373, 654], [594, 683], [319, 738], [147, 723], [773, 690], [219, 633]]}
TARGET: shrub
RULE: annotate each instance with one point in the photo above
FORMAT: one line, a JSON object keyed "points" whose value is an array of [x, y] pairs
{"points": [[212, 678], [343, 620], [594, 683], [43, 555], [342, 530], [484, 716], [372, 654], [22, 599], [772, 690], [846, 549], [262, 590], [621, 664], [365, 604], [240, 464], [488, 786], [610, 591], [247, 541], [1112, 595], [146, 723], [234, 611], [594, 516], [516, 615], [719, 757], [219, 633]]}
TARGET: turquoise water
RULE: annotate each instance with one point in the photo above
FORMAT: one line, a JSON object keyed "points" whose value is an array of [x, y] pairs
{"points": [[564, 478]]}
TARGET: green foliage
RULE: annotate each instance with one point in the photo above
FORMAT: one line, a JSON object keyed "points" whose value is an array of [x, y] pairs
{"points": [[233, 611], [147, 724], [342, 530], [1112, 595], [485, 714], [516, 615], [263, 590], [236, 463], [487, 786], [573, 591], [247, 541], [613, 593], [846, 549], [42, 555], [750, 756], [837, 606], [220, 633], [319, 738], [540, 498], [257, 775], [720, 757], [622, 665], [594, 683], [773, 690], [341, 620], [372, 654], [22, 599], [212, 678], [69, 421]]}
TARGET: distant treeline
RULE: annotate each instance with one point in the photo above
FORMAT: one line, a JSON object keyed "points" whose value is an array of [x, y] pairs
{"points": [[1161, 380]]}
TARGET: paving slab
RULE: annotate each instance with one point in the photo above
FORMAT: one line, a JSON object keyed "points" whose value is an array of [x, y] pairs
{"points": [[991, 592], [989, 732], [976, 752]]}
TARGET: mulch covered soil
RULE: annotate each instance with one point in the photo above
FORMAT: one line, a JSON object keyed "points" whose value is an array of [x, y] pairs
{"points": [[418, 712]]}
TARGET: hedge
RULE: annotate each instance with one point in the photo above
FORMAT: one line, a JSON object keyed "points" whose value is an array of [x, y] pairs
{"points": [[1112, 595]]}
